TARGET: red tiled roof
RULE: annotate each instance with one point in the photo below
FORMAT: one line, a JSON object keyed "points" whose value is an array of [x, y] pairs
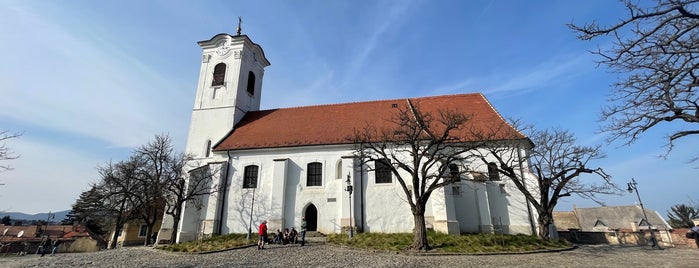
{"points": [[333, 124]]}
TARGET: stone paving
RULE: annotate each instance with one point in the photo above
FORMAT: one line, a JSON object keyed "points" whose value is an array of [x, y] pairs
{"points": [[317, 254]]}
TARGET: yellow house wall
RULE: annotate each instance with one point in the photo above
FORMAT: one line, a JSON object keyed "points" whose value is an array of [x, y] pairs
{"points": [[129, 235]]}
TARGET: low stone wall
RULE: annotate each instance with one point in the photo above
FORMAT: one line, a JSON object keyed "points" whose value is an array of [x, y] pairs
{"points": [[679, 239], [616, 238]]}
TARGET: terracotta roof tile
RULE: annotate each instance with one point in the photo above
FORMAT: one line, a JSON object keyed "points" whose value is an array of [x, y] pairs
{"points": [[332, 124]]}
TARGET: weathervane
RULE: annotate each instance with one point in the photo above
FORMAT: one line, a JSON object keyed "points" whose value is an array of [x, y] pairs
{"points": [[240, 21]]}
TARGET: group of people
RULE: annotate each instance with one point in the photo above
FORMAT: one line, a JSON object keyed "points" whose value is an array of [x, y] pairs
{"points": [[286, 237], [289, 236]]}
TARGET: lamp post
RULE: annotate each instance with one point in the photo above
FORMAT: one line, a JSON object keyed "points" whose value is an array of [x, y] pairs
{"points": [[252, 205], [48, 219], [633, 186], [349, 190]]}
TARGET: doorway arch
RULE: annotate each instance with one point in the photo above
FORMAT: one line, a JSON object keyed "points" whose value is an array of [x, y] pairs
{"points": [[311, 216]]}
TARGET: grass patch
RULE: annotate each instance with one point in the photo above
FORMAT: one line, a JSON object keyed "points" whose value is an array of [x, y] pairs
{"points": [[469, 243], [215, 243]]}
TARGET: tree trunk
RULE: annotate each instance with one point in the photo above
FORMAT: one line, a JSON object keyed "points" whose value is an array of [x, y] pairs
{"points": [[420, 232], [545, 222], [118, 225], [175, 225]]}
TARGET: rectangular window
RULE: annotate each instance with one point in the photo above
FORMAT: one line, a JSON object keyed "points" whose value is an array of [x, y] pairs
{"points": [[383, 171], [314, 176], [250, 176], [142, 231]]}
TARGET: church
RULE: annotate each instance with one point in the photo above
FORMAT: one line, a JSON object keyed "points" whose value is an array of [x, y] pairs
{"points": [[283, 165]]}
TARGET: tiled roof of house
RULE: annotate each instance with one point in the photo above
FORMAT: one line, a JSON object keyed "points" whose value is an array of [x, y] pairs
{"points": [[335, 123], [34, 232]]}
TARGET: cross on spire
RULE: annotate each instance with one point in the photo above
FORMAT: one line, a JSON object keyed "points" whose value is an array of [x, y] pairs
{"points": [[240, 21]]}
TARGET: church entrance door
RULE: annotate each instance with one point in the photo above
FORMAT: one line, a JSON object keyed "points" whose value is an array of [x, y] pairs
{"points": [[311, 216]]}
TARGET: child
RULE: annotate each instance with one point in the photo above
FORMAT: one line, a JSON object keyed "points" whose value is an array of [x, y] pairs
{"points": [[278, 237]]}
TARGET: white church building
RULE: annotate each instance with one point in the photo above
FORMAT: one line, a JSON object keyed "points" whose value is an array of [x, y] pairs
{"points": [[282, 165]]}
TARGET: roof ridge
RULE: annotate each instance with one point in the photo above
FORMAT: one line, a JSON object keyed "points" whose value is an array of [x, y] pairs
{"points": [[375, 101]]}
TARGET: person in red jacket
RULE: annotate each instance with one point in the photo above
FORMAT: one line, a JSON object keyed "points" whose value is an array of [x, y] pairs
{"points": [[263, 235]]}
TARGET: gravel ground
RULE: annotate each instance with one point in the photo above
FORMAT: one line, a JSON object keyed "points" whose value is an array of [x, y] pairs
{"points": [[322, 255]]}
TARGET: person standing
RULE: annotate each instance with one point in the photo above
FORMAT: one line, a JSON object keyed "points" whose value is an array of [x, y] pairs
{"points": [[263, 235], [45, 244], [303, 231], [54, 247]]}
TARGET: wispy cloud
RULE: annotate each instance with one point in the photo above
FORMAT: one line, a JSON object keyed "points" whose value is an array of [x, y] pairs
{"points": [[394, 17], [98, 90], [524, 79]]}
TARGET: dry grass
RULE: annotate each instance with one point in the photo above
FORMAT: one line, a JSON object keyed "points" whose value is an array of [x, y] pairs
{"points": [[215, 243], [469, 243]]}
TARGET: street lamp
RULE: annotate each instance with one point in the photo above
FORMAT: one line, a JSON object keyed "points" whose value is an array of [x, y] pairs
{"points": [[252, 204], [633, 186], [349, 190]]}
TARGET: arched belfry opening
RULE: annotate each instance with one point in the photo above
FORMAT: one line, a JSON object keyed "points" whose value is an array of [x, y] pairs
{"points": [[311, 215]]}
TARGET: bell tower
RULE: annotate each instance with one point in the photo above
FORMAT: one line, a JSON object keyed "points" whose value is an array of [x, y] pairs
{"points": [[230, 85]]}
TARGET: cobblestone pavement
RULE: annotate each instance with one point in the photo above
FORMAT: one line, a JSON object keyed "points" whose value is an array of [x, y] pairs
{"points": [[321, 255]]}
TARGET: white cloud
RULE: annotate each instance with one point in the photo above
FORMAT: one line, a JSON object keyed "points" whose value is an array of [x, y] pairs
{"points": [[45, 177]]}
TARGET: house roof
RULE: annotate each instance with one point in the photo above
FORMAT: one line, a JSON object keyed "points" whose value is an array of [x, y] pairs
{"points": [[619, 217], [34, 232], [565, 220], [336, 123]]}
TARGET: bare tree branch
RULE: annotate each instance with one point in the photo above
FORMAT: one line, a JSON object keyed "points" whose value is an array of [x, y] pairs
{"points": [[555, 161], [5, 152], [422, 151], [656, 50]]}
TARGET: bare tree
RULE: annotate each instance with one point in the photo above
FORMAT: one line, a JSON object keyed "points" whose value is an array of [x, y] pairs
{"points": [[188, 188], [154, 174], [656, 50], [422, 151], [117, 186], [5, 152], [556, 163]]}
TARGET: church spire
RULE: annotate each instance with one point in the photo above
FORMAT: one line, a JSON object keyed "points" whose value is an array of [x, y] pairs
{"points": [[240, 21]]}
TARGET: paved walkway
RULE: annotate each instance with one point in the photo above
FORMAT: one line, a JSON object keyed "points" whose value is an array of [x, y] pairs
{"points": [[322, 255]]}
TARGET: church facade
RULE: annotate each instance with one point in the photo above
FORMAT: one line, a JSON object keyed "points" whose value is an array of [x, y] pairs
{"points": [[282, 165]]}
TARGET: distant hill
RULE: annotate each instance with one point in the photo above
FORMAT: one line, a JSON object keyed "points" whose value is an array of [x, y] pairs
{"points": [[59, 216]]}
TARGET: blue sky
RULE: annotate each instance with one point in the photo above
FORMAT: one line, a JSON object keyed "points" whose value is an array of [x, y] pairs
{"points": [[88, 81]]}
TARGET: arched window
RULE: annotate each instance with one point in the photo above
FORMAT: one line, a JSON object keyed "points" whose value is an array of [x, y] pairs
{"points": [[314, 174], [219, 74], [454, 170], [493, 173], [208, 149], [250, 176], [338, 169], [251, 83]]}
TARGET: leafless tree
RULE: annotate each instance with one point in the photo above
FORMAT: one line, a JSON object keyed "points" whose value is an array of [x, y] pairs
{"points": [[554, 161], [153, 177], [656, 50], [116, 188], [187, 188], [5, 152], [418, 148]]}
